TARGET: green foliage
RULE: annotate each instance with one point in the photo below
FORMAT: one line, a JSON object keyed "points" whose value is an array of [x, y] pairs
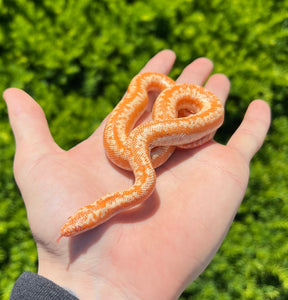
{"points": [[77, 57]]}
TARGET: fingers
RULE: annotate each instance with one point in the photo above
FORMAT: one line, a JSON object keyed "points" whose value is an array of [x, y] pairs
{"points": [[162, 62], [219, 85], [28, 122], [250, 135], [197, 72]]}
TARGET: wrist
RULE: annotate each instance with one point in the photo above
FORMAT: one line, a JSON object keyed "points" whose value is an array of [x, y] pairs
{"points": [[81, 284]]}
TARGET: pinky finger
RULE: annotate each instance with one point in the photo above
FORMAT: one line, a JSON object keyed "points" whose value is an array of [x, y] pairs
{"points": [[250, 135]]}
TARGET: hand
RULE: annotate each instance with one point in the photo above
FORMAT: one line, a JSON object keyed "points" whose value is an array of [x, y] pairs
{"points": [[153, 251]]}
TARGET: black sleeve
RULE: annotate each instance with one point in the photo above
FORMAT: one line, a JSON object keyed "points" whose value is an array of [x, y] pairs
{"points": [[31, 286]]}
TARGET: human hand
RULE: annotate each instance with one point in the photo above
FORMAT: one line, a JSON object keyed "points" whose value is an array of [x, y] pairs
{"points": [[153, 251]]}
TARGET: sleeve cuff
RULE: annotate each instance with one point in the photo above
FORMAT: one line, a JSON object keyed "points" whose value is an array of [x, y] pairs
{"points": [[33, 286]]}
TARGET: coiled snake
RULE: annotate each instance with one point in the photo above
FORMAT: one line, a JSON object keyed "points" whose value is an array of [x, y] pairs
{"points": [[184, 115]]}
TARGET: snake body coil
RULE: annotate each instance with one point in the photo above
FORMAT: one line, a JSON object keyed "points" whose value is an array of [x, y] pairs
{"points": [[184, 115]]}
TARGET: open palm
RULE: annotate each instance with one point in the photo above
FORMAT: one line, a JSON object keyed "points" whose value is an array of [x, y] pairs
{"points": [[149, 252]]}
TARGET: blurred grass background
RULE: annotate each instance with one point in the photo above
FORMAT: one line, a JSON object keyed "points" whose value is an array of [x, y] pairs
{"points": [[76, 59]]}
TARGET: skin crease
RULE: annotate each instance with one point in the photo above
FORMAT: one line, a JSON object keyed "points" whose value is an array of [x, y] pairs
{"points": [[155, 250]]}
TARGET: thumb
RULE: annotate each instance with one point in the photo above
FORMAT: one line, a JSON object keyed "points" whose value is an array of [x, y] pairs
{"points": [[29, 125]]}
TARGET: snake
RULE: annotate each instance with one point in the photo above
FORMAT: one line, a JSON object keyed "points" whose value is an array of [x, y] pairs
{"points": [[183, 115]]}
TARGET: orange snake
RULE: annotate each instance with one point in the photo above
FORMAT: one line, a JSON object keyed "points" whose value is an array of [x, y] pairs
{"points": [[184, 115]]}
